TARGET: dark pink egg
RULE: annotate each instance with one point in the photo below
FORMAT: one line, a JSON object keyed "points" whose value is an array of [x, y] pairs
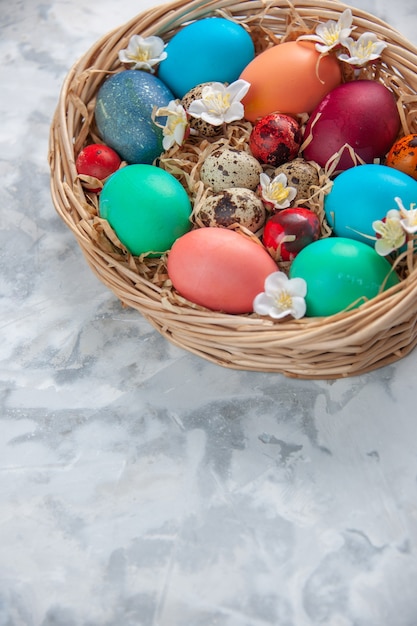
{"points": [[275, 139], [289, 231], [362, 114]]}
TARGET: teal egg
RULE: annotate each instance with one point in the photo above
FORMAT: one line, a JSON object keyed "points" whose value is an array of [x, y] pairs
{"points": [[341, 273], [210, 49], [147, 208], [123, 112], [363, 194]]}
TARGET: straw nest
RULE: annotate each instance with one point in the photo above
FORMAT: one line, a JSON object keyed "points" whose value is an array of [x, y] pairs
{"points": [[377, 333]]}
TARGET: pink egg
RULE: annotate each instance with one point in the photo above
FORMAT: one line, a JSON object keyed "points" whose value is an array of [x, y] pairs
{"points": [[219, 269]]}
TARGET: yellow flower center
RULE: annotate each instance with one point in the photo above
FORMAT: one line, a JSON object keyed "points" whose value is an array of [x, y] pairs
{"points": [[283, 301], [392, 232], [332, 35], [141, 55], [364, 51], [278, 192], [217, 102]]}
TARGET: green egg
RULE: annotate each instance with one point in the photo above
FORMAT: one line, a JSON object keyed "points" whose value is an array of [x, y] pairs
{"points": [[147, 207], [341, 273]]}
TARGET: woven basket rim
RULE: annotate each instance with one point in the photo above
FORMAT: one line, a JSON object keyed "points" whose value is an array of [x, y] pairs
{"points": [[345, 344]]}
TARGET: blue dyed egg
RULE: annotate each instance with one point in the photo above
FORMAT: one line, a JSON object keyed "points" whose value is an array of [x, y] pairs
{"points": [[123, 114], [363, 194], [341, 274], [211, 49]]}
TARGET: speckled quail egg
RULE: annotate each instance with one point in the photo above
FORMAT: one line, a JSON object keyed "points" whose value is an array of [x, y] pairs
{"points": [[233, 206], [301, 175], [227, 167], [204, 129]]}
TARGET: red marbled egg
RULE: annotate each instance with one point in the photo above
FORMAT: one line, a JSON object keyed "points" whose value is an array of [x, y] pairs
{"points": [[275, 139]]}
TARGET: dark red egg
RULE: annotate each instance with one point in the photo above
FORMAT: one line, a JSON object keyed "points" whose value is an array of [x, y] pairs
{"points": [[275, 139], [97, 160], [289, 231]]}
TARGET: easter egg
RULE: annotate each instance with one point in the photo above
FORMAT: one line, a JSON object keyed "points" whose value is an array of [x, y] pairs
{"points": [[275, 139], [289, 231], [123, 113], [363, 194], [341, 274], [228, 167], [97, 160], [403, 155], [362, 114], [147, 208], [236, 205], [219, 269], [291, 78], [210, 49]]}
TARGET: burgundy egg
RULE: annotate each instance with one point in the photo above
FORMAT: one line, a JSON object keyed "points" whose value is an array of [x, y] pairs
{"points": [[289, 231], [362, 114], [275, 139]]}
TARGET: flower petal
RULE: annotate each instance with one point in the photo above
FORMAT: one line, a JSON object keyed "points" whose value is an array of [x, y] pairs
{"points": [[299, 306], [275, 282]]}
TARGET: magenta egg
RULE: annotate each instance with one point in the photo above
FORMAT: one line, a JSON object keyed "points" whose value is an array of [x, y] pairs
{"points": [[275, 139], [361, 114]]}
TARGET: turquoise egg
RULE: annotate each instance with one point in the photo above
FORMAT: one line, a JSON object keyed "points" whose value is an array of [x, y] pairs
{"points": [[341, 273], [147, 208], [123, 112], [363, 194], [210, 49]]}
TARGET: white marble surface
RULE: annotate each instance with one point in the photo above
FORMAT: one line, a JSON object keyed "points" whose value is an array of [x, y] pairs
{"points": [[143, 486]]}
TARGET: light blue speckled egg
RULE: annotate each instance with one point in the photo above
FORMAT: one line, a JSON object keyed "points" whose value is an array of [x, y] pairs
{"points": [[210, 49], [123, 114], [364, 194]]}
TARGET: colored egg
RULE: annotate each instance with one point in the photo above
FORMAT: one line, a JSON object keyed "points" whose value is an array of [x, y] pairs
{"points": [[210, 49], [403, 155], [362, 114], [123, 113], [289, 231], [275, 139], [219, 269], [363, 194], [341, 274], [147, 208], [290, 78]]}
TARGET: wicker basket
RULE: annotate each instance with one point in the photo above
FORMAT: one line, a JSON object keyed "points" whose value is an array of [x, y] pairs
{"points": [[379, 332]]}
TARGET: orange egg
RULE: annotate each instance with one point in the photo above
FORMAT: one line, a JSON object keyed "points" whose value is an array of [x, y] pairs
{"points": [[403, 155], [289, 78], [219, 269]]}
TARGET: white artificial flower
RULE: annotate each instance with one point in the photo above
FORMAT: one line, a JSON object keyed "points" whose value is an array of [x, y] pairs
{"points": [[391, 233], [176, 125], [282, 296], [366, 49], [331, 34], [220, 104], [408, 217], [143, 53], [276, 192]]}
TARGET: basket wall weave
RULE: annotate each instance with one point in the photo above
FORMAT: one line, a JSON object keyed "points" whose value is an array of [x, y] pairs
{"points": [[378, 333]]}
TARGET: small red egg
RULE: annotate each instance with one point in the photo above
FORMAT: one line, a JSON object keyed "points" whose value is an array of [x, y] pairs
{"points": [[403, 155], [275, 139], [289, 231], [97, 160]]}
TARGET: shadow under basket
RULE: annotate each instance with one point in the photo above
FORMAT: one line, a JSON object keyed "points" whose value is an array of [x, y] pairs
{"points": [[378, 333]]}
